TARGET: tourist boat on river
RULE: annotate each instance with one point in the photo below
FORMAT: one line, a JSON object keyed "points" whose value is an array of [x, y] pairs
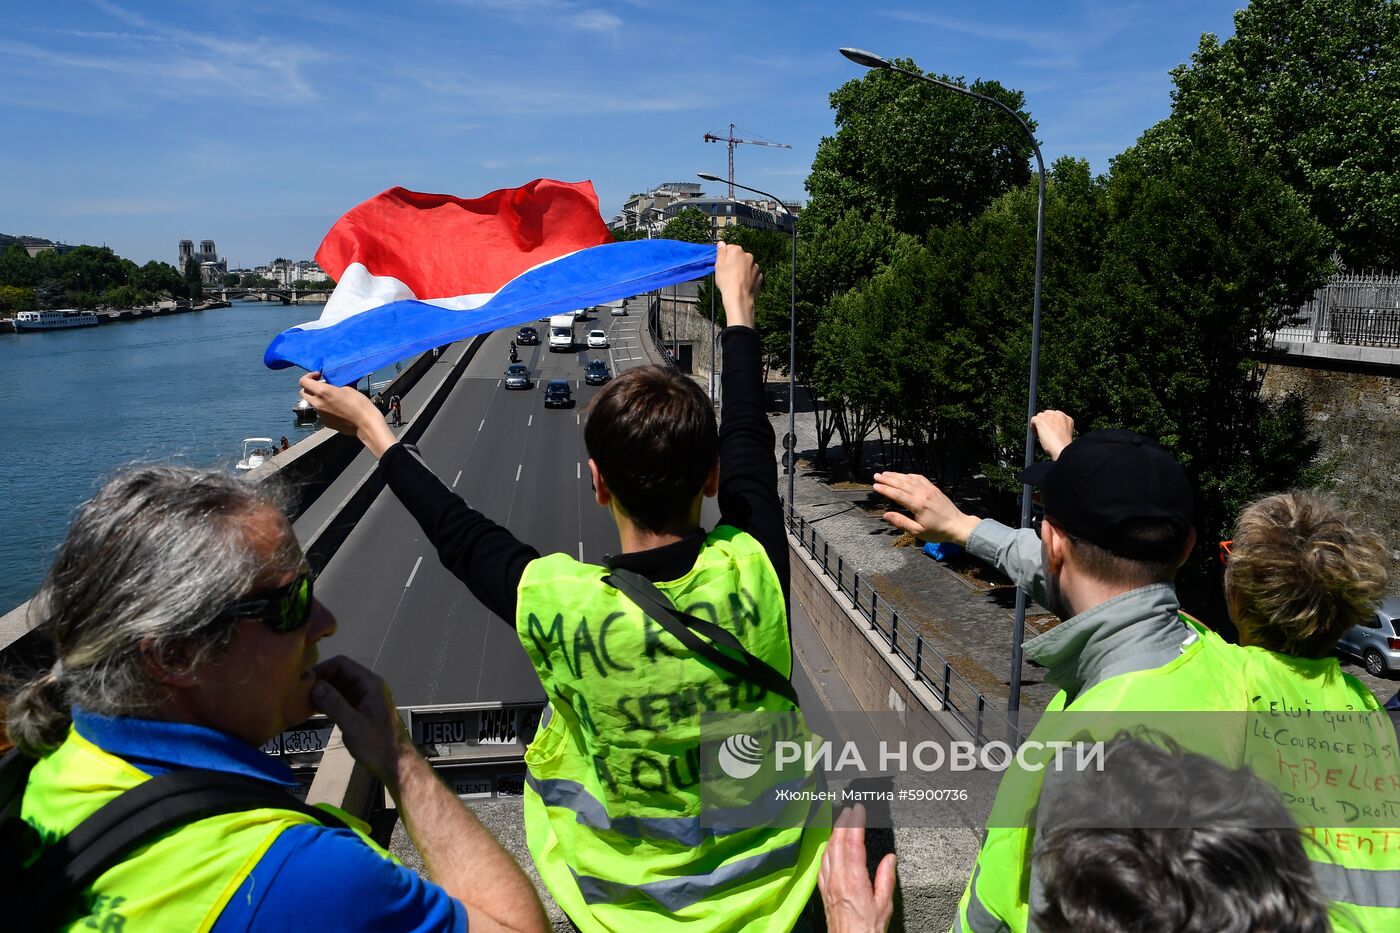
{"points": [[256, 450], [62, 319], [304, 412]]}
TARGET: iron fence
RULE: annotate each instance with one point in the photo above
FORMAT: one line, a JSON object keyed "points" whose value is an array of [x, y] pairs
{"points": [[955, 695], [1360, 309]]}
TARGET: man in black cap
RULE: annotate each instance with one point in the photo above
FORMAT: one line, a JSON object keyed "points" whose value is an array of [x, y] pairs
{"points": [[1118, 525]]}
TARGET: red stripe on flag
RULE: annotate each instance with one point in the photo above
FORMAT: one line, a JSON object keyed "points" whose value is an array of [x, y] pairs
{"points": [[441, 246]]}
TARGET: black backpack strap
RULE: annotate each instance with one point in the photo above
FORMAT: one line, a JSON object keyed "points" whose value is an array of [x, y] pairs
{"points": [[688, 630], [164, 803]]}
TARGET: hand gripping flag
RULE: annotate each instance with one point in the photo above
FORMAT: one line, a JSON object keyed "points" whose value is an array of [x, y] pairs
{"points": [[415, 271]]}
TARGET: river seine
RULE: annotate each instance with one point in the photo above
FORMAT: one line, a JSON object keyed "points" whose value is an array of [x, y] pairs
{"points": [[183, 389]]}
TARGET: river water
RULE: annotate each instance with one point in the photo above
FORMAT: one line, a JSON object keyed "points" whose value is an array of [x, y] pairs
{"points": [[184, 389]]}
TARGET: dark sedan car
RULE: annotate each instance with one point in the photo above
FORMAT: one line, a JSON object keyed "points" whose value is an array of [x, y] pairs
{"points": [[557, 394], [517, 376], [527, 337], [596, 373]]}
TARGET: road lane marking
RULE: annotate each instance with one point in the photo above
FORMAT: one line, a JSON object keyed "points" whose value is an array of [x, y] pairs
{"points": [[530, 422], [578, 471], [480, 426], [454, 482], [413, 573], [578, 419], [580, 552], [517, 472]]}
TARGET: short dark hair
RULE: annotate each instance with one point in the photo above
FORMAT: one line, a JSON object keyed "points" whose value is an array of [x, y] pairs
{"points": [[652, 433], [1165, 840], [1146, 536]]}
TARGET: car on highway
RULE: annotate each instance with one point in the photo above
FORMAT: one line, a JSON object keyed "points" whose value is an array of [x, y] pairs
{"points": [[619, 310], [581, 314], [557, 394], [517, 376], [597, 340], [596, 373], [527, 337], [1376, 642]]}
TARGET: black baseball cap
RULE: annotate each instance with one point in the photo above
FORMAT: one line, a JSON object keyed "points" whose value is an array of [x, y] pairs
{"points": [[1106, 485]]}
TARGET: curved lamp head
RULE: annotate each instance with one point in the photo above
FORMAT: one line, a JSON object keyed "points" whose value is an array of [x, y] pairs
{"points": [[708, 177], [868, 59]]}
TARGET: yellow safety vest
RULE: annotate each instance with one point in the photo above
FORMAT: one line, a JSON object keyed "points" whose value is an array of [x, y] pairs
{"points": [[1358, 869], [180, 881], [613, 809]]}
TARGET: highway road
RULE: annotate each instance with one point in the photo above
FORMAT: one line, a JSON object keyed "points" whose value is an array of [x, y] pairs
{"points": [[522, 465]]}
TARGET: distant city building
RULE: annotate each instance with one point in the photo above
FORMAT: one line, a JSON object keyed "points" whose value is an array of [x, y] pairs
{"points": [[212, 266], [655, 208], [642, 211], [33, 245], [758, 215], [285, 272]]}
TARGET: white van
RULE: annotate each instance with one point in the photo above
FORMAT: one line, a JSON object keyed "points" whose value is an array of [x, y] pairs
{"points": [[561, 333]]}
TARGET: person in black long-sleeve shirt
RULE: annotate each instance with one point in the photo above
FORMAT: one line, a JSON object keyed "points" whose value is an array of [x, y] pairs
{"points": [[626, 696]]}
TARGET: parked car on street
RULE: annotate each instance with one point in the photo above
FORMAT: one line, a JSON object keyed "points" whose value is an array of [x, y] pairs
{"points": [[557, 394], [596, 373], [517, 376], [1376, 642], [527, 337], [597, 340]]}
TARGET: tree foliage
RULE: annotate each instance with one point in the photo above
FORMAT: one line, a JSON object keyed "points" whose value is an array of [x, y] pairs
{"points": [[1314, 85], [84, 277], [690, 225], [916, 156]]}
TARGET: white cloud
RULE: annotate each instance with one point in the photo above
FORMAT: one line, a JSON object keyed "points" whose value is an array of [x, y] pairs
{"points": [[596, 21]]}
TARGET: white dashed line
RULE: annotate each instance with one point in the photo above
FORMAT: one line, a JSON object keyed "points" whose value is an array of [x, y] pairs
{"points": [[480, 426], [580, 552], [530, 422], [454, 482], [578, 471], [517, 472], [413, 573]]}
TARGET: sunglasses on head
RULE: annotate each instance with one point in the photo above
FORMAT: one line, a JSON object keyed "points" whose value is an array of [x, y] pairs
{"points": [[283, 610]]}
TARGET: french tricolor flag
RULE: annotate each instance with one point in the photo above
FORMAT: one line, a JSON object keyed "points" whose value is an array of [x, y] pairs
{"points": [[415, 271]]}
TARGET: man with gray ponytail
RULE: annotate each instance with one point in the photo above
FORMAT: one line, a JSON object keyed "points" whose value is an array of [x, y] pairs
{"points": [[185, 626]]}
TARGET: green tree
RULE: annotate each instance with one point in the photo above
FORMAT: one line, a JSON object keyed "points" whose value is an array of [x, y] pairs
{"points": [[194, 285], [690, 225], [622, 236], [15, 298], [916, 156], [16, 268], [159, 278], [1315, 86], [1203, 247]]}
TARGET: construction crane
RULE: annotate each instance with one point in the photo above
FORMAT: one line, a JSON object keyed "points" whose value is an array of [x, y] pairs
{"points": [[731, 141]]}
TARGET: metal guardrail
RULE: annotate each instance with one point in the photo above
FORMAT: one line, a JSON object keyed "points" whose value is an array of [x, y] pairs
{"points": [[654, 329], [1362, 309], [954, 693]]}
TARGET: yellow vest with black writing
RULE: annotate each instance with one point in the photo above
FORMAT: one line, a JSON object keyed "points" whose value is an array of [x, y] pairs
{"points": [[183, 879], [613, 797], [1357, 868]]}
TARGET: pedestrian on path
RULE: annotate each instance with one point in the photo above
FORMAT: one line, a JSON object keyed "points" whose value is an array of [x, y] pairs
{"points": [[396, 411]]}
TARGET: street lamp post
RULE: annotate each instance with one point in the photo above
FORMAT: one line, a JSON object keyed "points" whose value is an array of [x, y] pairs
{"points": [[870, 60], [791, 453]]}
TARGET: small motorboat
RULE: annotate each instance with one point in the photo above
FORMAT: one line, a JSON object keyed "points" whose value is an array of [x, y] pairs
{"points": [[256, 450], [304, 412]]}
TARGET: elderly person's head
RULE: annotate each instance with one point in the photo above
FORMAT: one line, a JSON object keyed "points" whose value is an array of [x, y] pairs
{"points": [[180, 595], [1301, 572]]}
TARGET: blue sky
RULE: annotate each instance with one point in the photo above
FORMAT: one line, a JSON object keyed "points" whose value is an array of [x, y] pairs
{"points": [[256, 124]]}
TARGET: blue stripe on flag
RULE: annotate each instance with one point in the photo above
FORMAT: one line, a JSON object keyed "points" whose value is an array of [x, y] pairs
{"points": [[359, 345]]}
